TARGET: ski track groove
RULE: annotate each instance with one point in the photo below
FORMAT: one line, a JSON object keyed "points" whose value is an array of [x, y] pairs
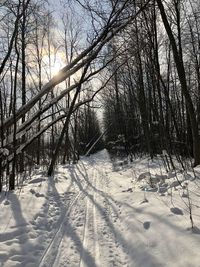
{"points": [[96, 240], [85, 233], [90, 225], [58, 235]]}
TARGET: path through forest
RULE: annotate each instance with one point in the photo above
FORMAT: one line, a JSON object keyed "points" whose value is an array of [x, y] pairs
{"points": [[87, 235], [94, 213]]}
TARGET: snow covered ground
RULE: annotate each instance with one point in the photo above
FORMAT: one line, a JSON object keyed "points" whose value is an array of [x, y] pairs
{"points": [[99, 213]]}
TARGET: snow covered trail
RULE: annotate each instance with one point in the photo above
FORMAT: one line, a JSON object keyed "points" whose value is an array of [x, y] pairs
{"points": [[95, 214], [89, 239]]}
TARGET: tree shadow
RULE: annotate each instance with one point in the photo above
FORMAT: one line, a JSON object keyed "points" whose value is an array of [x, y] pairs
{"points": [[63, 228], [136, 254], [19, 236]]}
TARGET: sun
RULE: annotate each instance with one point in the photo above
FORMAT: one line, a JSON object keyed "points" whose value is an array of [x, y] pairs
{"points": [[53, 63], [57, 65]]}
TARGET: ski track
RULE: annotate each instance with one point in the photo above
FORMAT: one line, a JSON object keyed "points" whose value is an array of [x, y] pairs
{"points": [[87, 229], [96, 239], [50, 254], [99, 226], [89, 218], [90, 235]]}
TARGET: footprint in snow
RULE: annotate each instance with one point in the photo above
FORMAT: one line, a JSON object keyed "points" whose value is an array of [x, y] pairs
{"points": [[144, 201], [39, 195], [146, 225], [176, 211], [6, 202]]}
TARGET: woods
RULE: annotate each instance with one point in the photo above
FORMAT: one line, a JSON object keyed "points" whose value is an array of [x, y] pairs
{"points": [[134, 63]]}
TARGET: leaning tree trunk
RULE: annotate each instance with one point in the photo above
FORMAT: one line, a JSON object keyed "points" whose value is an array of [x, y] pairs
{"points": [[65, 127], [67, 121]]}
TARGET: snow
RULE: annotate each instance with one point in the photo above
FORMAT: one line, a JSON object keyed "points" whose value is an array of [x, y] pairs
{"points": [[102, 213]]}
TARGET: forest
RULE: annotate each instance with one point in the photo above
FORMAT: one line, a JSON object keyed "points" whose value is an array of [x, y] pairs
{"points": [[99, 133], [80, 75]]}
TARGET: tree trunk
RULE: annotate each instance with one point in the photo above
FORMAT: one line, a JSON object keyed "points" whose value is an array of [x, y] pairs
{"points": [[182, 77]]}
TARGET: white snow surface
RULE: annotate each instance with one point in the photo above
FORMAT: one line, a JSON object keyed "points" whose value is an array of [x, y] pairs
{"points": [[97, 213]]}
